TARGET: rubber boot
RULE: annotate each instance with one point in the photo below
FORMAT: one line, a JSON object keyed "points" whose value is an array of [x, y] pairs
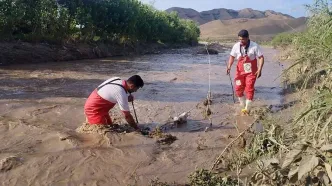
{"points": [[246, 110], [242, 102]]}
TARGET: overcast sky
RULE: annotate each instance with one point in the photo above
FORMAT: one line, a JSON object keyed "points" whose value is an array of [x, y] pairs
{"points": [[292, 7]]}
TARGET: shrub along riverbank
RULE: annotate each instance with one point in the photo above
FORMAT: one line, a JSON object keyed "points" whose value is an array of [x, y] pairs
{"points": [[56, 30]]}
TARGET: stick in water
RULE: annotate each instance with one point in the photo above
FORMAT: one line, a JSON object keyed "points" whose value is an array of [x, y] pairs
{"points": [[230, 79], [221, 154], [134, 111]]}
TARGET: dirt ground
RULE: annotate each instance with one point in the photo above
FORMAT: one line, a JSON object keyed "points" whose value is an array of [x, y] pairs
{"points": [[41, 105]]}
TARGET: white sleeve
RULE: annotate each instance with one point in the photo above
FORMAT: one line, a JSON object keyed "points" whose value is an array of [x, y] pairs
{"points": [[122, 100], [233, 52], [259, 52]]}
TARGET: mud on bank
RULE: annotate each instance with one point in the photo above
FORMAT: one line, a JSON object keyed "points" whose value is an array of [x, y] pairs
{"points": [[24, 52]]}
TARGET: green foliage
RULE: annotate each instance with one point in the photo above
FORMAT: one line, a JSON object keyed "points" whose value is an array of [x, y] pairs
{"points": [[312, 49], [156, 182], [308, 158], [86, 20], [283, 39], [202, 177]]}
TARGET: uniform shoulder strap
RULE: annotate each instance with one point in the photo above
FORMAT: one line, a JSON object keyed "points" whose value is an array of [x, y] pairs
{"points": [[245, 49], [110, 83]]}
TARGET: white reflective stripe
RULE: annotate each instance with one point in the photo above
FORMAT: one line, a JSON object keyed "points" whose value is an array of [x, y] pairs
{"points": [[238, 82]]}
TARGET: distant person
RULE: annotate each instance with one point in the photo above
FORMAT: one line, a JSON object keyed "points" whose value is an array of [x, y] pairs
{"points": [[247, 70], [107, 95]]}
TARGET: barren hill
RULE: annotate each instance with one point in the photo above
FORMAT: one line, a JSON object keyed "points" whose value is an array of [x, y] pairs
{"points": [[259, 29], [225, 14], [225, 23]]}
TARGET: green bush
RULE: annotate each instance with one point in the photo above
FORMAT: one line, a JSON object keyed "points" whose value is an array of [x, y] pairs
{"points": [[202, 177], [307, 156], [313, 61], [283, 39], [86, 20]]}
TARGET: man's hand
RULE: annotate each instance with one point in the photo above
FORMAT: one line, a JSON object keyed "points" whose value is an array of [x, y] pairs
{"points": [[131, 121], [130, 98], [260, 67], [135, 126], [258, 73], [229, 65], [228, 71]]}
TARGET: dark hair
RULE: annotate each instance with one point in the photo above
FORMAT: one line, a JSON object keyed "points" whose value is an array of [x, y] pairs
{"points": [[243, 33], [136, 80]]}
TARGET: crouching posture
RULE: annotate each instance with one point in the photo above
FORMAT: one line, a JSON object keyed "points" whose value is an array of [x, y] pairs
{"points": [[107, 95], [247, 70]]}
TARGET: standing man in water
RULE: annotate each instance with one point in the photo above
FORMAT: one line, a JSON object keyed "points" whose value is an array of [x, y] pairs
{"points": [[247, 70], [107, 95]]}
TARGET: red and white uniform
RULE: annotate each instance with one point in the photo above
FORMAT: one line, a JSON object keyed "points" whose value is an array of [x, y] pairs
{"points": [[104, 98], [246, 68]]}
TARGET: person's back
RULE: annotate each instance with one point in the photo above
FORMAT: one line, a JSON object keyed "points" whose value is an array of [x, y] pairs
{"points": [[104, 98], [109, 93]]}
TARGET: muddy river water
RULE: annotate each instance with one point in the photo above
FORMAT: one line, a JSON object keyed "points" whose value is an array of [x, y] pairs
{"points": [[41, 105]]}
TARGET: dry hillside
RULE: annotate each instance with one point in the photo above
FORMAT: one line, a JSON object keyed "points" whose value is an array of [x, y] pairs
{"points": [[260, 29], [225, 14], [224, 24]]}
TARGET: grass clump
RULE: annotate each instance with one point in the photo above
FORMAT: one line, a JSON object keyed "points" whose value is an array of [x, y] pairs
{"points": [[203, 177]]}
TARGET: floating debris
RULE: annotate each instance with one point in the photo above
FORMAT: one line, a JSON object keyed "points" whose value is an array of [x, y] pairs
{"points": [[164, 139], [182, 118], [145, 131], [167, 139], [156, 133], [241, 143], [207, 102], [103, 129], [208, 112], [9, 163]]}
